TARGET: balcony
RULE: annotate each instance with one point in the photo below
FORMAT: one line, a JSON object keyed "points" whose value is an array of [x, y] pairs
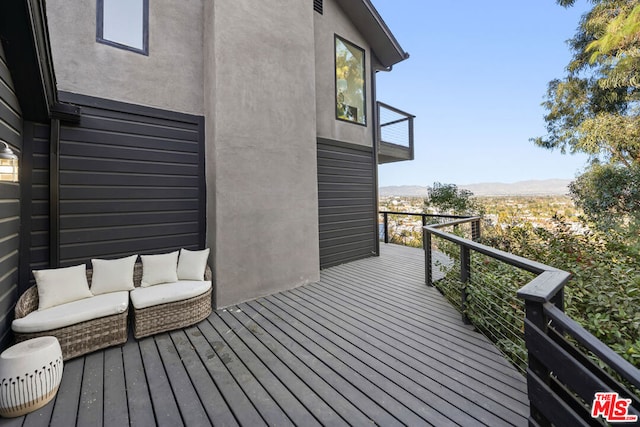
{"points": [[369, 344], [395, 134]]}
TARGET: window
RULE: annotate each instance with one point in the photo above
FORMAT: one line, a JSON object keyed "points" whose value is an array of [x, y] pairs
{"points": [[317, 6], [124, 24], [350, 82]]}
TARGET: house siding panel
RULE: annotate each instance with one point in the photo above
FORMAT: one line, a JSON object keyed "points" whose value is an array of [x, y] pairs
{"points": [[346, 199], [131, 181], [10, 132]]}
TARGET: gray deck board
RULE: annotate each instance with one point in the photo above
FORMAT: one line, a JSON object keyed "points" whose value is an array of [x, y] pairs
{"points": [[337, 409], [137, 390], [91, 396], [191, 409], [368, 344], [115, 390], [324, 379], [239, 403], [310, 401], [165, 406], [255, 391], [212, 401], [65, 411]]}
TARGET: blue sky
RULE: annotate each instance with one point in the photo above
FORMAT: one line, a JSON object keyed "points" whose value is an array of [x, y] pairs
{"points": [[477, 75]]}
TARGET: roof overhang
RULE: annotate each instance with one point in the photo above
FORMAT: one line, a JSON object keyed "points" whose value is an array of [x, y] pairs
{"points": [[25, 39], [368, 21]]}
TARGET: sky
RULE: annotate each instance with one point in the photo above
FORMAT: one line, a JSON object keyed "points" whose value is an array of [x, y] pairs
{"points": [[476, 77]]}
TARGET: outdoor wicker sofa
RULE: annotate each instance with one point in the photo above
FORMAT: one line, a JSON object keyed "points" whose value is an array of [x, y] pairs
{"points": [[80, 338], [105, 331], [171, 315]]}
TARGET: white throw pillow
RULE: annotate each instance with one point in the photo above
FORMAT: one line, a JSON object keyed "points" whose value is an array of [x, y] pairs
{"points": [[112, 275], [61, 285], [158, 269], [192, 264]]}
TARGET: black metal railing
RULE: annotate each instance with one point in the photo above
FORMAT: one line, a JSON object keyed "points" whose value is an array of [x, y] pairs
{"points": [[565, 365], [390, 224], [394, 133]]}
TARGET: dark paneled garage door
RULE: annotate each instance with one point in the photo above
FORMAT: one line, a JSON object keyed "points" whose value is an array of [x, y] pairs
{"points": [[131, 181], [347, 202]]}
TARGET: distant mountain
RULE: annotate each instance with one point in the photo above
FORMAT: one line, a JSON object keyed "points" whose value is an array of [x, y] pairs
{"points": [[547, 187]]}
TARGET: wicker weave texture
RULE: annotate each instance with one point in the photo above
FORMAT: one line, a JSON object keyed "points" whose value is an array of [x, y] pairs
{"points": [[86, 337], [170, 316]]}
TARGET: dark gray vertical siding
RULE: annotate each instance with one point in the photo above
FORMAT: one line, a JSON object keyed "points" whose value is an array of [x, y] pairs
{"points": [[131, 181], [347, 205], [10, 132], [38, 255]]}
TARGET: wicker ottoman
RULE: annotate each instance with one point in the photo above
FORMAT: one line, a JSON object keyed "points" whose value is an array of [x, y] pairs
{"points": [[30, 373]]}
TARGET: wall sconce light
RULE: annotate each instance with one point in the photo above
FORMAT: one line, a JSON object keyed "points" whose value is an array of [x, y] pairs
{"points": [[8, 164]]}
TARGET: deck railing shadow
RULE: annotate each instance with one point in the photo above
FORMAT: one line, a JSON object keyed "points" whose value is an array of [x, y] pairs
{"points": [[519, 304]]}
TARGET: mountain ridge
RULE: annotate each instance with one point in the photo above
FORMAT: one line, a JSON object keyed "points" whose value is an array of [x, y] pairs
{"points": [[546, 187]]}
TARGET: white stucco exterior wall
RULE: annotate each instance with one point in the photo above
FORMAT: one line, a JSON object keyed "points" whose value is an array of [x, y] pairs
{"points": [[333, 22], [261, 141], [170, 78]]}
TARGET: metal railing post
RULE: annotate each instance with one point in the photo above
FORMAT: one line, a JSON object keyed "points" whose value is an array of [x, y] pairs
{"points": [[465, 276], [428, 254], [386, 227], [534, 312]]}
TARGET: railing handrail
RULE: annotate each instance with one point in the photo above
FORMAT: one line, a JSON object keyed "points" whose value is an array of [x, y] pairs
{"points": [[395, 122], [423, 214], [509, 258], [395, 110], [544, 308]]}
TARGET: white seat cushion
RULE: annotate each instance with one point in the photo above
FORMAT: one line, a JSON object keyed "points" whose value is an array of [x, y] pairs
{"points": [[72, 313], [168, 292]]}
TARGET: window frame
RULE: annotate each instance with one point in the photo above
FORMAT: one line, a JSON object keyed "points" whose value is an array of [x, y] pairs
{"points": [[145, 29], [364, 80]]}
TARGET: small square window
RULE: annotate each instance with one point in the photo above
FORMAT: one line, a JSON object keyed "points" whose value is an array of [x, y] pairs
{"points": [[124, 24]]}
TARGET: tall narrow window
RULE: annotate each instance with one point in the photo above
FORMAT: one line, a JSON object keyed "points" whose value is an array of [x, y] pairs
{"points": [[124, 24], [351, 102]]}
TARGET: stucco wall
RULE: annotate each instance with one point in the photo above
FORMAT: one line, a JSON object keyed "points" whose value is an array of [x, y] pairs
{"points": [[170, 77], [261, 146], [334, 21]]}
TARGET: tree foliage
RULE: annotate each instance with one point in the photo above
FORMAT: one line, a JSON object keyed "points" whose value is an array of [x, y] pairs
{"points": [[595, 108], [609, 195], [449, 199]]}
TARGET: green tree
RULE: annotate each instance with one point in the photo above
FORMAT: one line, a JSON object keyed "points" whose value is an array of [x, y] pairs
{"points": [[449, 199], [595, 108], [609, 195]]}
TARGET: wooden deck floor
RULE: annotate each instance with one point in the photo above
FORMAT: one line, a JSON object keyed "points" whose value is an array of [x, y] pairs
{"points": [[369, 344]]}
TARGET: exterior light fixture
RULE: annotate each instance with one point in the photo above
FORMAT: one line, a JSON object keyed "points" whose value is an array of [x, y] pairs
{"points": [[8, 164]]}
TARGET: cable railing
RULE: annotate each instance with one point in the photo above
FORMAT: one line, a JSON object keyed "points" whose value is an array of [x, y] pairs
{"points": [[396, 228], [573, 378], [394, 133]]}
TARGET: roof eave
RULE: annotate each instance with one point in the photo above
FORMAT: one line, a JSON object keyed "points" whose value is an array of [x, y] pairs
{"points": [[371, 25]]}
